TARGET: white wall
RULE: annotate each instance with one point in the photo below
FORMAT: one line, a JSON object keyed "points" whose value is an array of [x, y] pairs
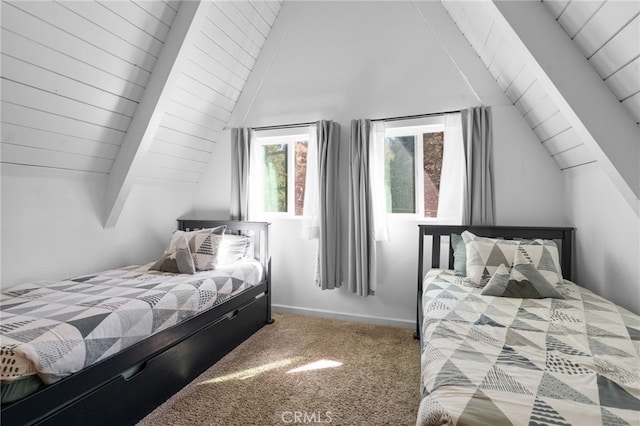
{"points": [[52, 224], [528, 182], [347, 60], [607, 236], [212, 198]]}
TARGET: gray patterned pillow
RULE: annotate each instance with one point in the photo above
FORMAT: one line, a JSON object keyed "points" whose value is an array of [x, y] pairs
{"points": [[460, 254], [544, 255], [485, 255], [204, 245], [524, 281], [179, 262]]}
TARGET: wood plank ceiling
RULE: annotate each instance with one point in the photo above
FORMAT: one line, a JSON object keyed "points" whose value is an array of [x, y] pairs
{"points": [[573, 111], [604, 31], [73, 74], [608, 35], [224, 54]]}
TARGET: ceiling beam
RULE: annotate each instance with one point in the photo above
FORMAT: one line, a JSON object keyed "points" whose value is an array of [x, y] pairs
{"points": [[598, 117], [151, 108]]}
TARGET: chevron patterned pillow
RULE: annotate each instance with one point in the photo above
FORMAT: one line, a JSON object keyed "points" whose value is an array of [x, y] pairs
{"points": [[524, 281], [179, 262], [204, 245], [544, 256], [485, 255]]}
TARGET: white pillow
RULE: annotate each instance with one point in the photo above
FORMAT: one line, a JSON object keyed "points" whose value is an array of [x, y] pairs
{"points": [[234, 248]]}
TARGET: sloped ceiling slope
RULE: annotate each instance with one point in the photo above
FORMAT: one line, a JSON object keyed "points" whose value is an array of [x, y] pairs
{"points": [[605, 32], [74, 74], [224, 51], [608, 35]]}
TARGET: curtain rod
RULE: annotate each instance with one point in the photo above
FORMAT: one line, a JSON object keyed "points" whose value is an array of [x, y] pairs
{"points": [[409, 117], [283, 126], [404, 117]]}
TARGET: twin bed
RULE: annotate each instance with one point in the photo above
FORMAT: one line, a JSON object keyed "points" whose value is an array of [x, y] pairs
{"points": [[569, 359], [120, 342]]}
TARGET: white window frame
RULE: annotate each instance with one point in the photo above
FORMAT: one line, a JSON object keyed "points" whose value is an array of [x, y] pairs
{"points": [[416, 129], [276, 137]]}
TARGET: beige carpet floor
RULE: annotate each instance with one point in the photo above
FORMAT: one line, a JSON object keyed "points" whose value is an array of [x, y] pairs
{"points": [[305, 370]]}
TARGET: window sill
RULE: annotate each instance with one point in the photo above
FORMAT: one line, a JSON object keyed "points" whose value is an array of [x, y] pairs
{"points": [[268, 217], [411, 218]]}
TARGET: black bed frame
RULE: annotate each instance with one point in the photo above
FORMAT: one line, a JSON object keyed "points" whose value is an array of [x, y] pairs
{"points": [[125, 387], [562, 236]]}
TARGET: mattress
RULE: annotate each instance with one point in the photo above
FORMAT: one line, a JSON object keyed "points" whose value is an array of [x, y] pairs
{"points": [[53, 329], [498, 360]]}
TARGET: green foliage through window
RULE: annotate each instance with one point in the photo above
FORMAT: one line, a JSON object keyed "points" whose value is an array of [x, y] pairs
{"points": [[301, 174], [432, 146], [402, 154], [400, 174], [278, 180], [275, 178]]}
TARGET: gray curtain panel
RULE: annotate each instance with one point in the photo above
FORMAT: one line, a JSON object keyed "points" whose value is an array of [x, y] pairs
{"points": [[477, 135], [362, 245], [240, 150], [329, 247]]}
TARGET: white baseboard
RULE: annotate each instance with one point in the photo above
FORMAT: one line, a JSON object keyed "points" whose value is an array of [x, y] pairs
{"points": [[393, 322]]}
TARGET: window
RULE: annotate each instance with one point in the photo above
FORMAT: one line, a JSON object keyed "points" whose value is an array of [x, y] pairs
{"points": [[413, 167], [280, 173]]}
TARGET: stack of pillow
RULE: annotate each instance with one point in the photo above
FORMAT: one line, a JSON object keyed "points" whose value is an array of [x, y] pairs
{"points": [[203, 250], [508, 268]]}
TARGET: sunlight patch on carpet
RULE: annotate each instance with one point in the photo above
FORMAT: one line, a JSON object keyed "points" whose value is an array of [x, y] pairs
{"points": [[250, 372], [317, 365]]}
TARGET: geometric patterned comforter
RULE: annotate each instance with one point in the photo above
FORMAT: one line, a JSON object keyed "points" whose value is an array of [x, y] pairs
{"points": [[56, 328], [497, 360]]}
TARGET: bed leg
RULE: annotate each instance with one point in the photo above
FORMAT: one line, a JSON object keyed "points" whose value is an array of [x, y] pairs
{"points": [[270, 319], [416, 336]]}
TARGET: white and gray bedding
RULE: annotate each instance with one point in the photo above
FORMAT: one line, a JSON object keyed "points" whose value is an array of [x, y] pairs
{"points": [[54, 329], [502, 360]]}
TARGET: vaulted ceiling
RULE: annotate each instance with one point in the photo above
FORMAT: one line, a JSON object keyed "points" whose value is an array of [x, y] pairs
{"points": [[75, 74], [572, 68]]}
